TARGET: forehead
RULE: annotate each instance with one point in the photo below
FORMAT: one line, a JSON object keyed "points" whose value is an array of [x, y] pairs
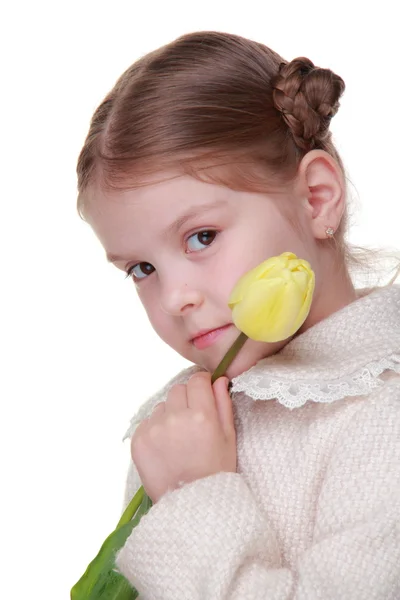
{"points": [[165, 198], [115, 216]]}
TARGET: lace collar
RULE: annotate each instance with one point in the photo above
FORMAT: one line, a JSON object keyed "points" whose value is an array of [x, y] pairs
{"points": [[341, 356]]}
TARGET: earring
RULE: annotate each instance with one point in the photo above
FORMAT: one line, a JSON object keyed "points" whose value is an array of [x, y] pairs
{"points": [[329, 232]]}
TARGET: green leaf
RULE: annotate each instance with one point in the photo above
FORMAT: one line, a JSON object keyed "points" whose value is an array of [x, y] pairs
{"points": [[112, 586], [101, 581], [100, 577]]}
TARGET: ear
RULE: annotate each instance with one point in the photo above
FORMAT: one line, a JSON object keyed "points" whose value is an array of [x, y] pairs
{"points": [[321, 180]]}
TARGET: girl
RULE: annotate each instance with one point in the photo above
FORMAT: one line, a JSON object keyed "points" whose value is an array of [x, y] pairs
{"points": [[209, 156]]}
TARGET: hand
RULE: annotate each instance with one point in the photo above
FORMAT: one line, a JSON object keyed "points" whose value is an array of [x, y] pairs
{"points": [[189, 436]]}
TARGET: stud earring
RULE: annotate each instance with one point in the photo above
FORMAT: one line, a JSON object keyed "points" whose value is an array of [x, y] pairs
{"points": [[329, 232]]}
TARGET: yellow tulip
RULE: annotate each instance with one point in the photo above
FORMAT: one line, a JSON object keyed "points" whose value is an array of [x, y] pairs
{"points": [[272, 301]]}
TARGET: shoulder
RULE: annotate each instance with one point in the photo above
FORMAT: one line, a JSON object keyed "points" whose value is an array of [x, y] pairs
{"points": [[362, 473], [386, 396], [147, 407], [378, 415]]}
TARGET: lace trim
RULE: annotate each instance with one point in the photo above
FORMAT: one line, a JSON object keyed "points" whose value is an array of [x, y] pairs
{"points": [[294, 394], [291, 394]]}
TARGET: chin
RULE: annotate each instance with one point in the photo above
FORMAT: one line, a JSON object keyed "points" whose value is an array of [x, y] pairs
{"points": [[248, 356], [251, 353], [244, 361]]}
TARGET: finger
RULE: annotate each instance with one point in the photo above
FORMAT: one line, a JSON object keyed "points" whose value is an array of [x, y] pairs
{"points": [[224, 406], [176, 399], [159, 409], [200, 394], [155, 414]]}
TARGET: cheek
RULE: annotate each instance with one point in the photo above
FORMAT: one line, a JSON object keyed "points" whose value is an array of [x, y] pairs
{"points": [[151, 308], [228, 278], [159, 320]]}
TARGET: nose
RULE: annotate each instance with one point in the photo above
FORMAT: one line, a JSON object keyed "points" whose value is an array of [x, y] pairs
{"points": [[180, 297]]}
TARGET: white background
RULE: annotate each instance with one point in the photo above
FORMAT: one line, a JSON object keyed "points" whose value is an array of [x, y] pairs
{"points": [[78, 356]]}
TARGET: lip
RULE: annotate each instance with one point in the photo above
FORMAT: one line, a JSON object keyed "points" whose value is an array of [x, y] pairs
{"points": [[207, 337]]}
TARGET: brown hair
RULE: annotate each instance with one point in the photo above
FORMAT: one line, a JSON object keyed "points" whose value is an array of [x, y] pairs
{"points": [[207, 102], [209, 99]]}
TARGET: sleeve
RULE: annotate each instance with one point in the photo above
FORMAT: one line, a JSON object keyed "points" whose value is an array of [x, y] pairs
{"points": [[133, 483], [210, 538], [146, 409]]}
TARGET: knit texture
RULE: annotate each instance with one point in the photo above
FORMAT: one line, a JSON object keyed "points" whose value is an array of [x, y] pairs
{"points": [[313, 511]]}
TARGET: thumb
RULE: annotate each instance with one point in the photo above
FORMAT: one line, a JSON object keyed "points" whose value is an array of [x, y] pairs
{"points": [[224, 405]]}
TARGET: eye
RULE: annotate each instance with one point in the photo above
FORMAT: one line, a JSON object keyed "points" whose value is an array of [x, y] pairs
{"points": [[140, 271], [201, 239]]}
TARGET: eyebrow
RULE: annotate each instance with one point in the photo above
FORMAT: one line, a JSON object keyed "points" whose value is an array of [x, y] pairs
{"points": [[175, 226]]}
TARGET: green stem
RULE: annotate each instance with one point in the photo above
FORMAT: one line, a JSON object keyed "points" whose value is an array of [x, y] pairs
{"points": [[140, 495], [132, 507], [229, 356]]}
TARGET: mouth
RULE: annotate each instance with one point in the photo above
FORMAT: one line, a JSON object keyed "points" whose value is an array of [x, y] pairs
{"points": [[206, 338]]}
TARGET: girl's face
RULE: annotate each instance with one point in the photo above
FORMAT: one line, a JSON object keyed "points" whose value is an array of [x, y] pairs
{"points": [[186, 243]]}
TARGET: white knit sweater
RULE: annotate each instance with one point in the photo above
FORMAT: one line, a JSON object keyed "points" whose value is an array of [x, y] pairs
{"points": [[313, 511]]}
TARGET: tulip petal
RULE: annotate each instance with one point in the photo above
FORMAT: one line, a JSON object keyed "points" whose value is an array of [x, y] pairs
{"points": [[272, 301], [268, 311], [267, 268]]}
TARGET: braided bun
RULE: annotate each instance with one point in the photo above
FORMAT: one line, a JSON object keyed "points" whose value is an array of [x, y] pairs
{"points": [[307, 97]]}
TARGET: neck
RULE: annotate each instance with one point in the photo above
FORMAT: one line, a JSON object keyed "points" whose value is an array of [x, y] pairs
{"points": [[334, 294]]}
